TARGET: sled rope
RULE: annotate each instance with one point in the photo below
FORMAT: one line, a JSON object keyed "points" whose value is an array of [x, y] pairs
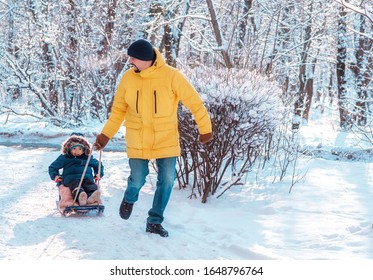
{"points": [[99, 171], [84, 172]]}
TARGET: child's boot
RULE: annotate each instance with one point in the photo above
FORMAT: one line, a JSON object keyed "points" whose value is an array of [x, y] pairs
{"points": [[82, 198], [94, 197]]}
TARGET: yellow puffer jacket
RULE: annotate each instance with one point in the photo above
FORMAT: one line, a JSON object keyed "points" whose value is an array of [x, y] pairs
{"points": [[148, 103]]}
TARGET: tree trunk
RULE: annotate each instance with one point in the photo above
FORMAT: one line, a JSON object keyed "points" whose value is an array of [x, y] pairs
{"points": [[71, 90], [103, 85], [362, 73], [170, 39], [303, 103], [172, 35], [218, 35], [50, 93], [243, 30], [341, 69], [12, 49], [109, 29]]}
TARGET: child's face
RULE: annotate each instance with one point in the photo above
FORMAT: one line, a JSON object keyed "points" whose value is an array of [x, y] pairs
{"points": [[76, 151]]}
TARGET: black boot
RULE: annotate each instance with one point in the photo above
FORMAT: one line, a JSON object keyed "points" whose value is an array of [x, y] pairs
{"points": [[125, 210], [157, 229]]}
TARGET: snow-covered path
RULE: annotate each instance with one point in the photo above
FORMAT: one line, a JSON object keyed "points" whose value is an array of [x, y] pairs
{"points": [[327, 216], [35, 230]]}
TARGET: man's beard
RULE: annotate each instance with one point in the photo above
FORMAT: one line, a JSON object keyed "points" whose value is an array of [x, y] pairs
{"points": [[136, 69]]}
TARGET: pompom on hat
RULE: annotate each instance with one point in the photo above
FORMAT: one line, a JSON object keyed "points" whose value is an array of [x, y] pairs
{"points": [[141, 49]]}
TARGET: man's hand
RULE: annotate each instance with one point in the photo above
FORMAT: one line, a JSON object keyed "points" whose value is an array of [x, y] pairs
{"points": [[101, 141], [204, 138]]}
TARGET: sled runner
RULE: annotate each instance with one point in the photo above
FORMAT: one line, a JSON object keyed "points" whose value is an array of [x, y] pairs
{"points": [[67, 204]]}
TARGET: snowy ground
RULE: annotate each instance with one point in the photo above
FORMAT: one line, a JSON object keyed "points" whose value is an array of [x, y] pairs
{"points": [[327, 216]]}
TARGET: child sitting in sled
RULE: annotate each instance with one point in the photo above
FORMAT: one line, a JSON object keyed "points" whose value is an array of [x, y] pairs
{"points": [[74, 155]]}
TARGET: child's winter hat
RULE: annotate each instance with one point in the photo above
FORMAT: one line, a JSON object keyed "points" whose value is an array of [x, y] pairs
{"points": [[75, 141], [141, 49], [76, 145]]}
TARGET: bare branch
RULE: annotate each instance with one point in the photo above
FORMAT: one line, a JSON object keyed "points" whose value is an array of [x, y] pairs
{"points": [[356, 9]]}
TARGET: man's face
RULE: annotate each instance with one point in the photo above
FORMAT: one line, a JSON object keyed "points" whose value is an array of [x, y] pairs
{"points": [[140, 65]]}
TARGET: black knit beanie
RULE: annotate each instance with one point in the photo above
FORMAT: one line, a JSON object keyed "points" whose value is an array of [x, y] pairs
{"points": [[141, 49]]}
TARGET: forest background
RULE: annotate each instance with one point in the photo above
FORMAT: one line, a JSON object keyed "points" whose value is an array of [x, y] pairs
{"points": [[259, 66]]}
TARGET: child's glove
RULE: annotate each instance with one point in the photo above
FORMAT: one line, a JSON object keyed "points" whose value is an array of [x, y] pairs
{"points": [[58, 179]]}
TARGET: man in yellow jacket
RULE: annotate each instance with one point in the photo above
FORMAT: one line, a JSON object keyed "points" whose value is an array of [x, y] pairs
{"points": [[146, 101]]}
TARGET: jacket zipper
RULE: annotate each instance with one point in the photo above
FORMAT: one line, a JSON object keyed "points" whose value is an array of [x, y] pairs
{"points": [[155, 102], [137, 102]]}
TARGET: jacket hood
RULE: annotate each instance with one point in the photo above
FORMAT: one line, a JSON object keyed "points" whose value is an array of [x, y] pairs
{"points": [[75, 140], [159, 62]]}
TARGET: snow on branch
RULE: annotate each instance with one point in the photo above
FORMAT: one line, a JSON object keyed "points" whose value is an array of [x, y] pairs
{"points": [[245, 110], [363, 11]]}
